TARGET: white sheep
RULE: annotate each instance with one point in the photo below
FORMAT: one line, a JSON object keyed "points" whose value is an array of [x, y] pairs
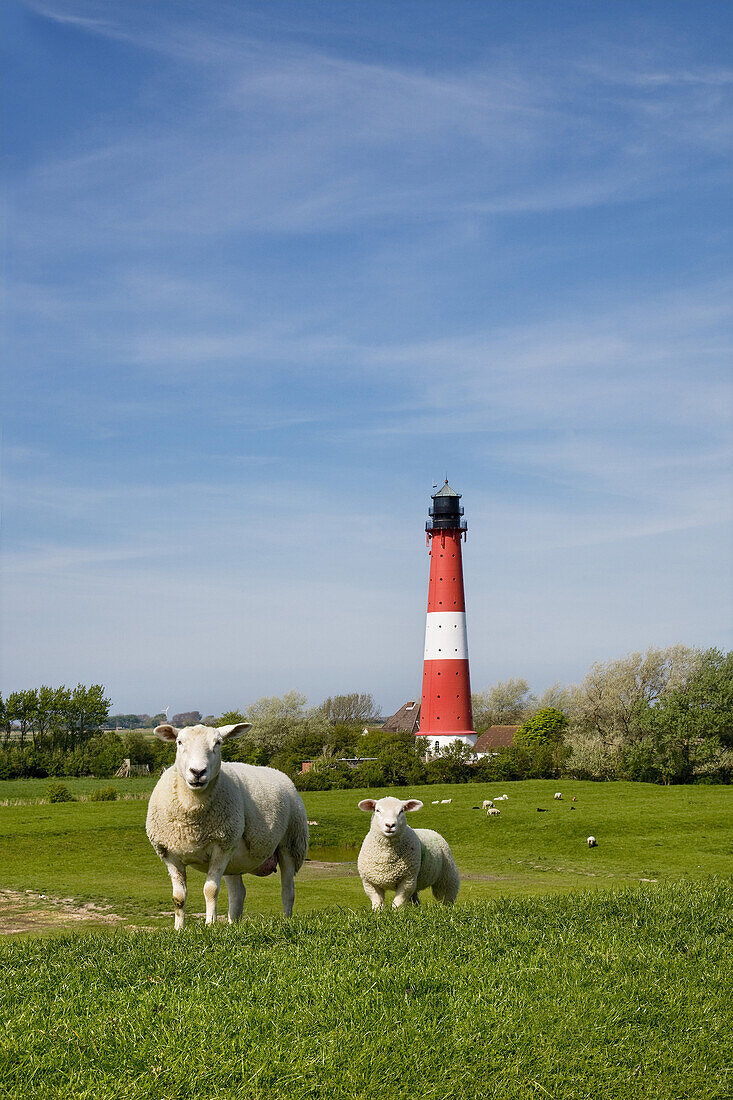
{"points": [[396, 857], [445, 801], [492, 812], [558, 795], [501, 798], [592, 842], [225, 820], [487, 804]]}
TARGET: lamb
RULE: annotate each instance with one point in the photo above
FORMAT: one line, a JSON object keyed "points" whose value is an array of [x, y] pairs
{"points": [[487, 804], [396, 857], [445, 801], [558, 795], [225, 820], [592, 842], [493, 812]]}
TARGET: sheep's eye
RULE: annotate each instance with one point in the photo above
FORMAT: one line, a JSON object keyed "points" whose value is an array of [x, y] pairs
{"points": [[377, 810]]}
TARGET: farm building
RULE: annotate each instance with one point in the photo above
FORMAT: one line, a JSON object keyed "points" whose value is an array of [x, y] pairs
{"points": [[404, 720], [493, 739]]}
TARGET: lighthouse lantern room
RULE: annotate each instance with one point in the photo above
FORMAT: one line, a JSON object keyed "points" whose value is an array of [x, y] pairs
{"points": [[445, 710]]}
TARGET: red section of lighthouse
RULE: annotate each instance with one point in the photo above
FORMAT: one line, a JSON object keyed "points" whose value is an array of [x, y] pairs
{"points": [[445, 710]]}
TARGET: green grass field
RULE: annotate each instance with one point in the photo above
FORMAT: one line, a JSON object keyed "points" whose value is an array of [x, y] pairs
{"points": [[620, 996], [561, 972], [99, 852]]}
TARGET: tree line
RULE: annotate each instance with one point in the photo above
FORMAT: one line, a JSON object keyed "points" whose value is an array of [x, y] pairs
{"points": [[664, 716]]}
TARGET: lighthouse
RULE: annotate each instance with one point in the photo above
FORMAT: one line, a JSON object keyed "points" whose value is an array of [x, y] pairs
{"points": [[445, 710]]}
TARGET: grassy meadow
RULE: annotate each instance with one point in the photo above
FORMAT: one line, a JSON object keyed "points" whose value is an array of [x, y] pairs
{"points": [[617, 995], [563, 971], [98, 852]]}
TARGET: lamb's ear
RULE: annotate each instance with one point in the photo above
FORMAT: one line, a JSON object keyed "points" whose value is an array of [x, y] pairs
{"points": [[367, 805], [166, 732], [237, 730], [412, 804]]}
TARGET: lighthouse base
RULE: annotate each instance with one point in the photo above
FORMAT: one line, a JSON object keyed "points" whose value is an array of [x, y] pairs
{"points": [[435, 743]]}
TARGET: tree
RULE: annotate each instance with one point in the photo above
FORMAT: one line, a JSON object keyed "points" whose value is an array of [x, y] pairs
{"points": [[546, 727], [21, 710], [229, 718], [50, 718], [688, 732], [186, 718], [278, 720], [615, 694], [86, 713], [506, 703], [353, 709]]}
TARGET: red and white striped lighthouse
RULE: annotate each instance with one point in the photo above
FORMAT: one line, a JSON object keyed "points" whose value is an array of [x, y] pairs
{"points": [[445, 710]]}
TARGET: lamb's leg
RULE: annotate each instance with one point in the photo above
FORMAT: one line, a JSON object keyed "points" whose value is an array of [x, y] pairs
{"points": [[237, 893], [415, 899], [217, 866], [375, 895], [404, 893], [287, 880], [177, 872]]}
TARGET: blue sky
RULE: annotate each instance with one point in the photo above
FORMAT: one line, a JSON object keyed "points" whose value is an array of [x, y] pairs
{"points": [[273, 269]]}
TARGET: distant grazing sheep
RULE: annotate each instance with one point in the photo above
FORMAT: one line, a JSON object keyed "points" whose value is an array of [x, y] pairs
{"points": [[558, 795], [592, 842], [493, 812], [487, 804], [501, 798], [396, 857], [225, 820], [445, 801]]}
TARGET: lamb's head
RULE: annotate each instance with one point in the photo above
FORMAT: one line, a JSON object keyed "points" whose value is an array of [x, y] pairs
{"points": [[388, 814], [198, 750]]}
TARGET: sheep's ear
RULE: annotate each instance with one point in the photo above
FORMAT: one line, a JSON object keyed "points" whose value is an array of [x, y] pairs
{"points": [[166, 732], [412, 804], [367, 805], [237, 730]]}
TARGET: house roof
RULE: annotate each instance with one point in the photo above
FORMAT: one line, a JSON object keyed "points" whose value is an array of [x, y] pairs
{"points": [[406, 719], [495, 737]]}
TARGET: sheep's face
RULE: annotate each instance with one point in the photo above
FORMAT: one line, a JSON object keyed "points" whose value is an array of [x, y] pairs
{"points": [[388, 814], [198, 751]]}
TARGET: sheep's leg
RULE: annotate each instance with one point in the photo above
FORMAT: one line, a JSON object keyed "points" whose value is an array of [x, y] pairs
{"points": [[415, 899], [177, 872], [287, 880], [404, 893], [237, 894], [217, 866], [375, 895]]}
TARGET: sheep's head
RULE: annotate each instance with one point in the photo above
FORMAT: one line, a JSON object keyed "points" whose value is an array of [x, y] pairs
{"points": [[198, 750], [388, 814]]}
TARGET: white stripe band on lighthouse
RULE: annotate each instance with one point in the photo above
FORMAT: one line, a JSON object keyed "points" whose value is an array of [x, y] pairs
{"points": [[445, 636]]}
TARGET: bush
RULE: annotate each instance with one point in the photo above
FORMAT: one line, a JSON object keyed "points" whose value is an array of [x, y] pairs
{"points": [[104, 794], [58, 792], [313, 781]]}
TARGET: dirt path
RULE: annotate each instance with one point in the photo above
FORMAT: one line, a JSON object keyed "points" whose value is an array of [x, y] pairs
{"points": [[27, 911]]}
